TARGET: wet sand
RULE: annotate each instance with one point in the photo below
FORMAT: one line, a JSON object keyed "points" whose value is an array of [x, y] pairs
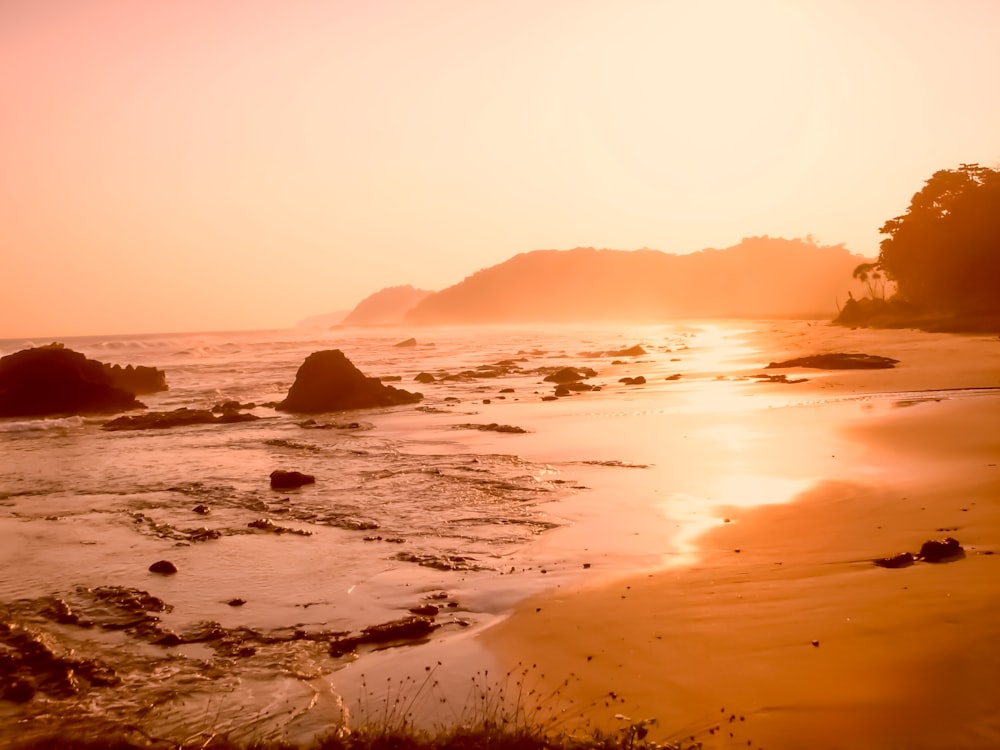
{"points": [[779, 631]]}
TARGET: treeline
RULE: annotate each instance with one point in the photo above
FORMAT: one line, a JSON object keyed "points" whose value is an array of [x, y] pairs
{"points": [[940, 260]]}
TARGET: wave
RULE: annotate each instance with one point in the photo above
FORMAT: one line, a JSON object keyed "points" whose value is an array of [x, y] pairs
{"points": [[38, 425]]}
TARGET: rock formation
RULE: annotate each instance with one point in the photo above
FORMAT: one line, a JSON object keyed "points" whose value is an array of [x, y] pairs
{"points": [[328, 381], [53, 380]]}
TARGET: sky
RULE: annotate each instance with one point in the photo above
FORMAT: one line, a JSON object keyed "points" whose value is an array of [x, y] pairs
{"points": [[194, 165]]}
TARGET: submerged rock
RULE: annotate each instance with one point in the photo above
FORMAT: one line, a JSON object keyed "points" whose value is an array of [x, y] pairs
{"points": [[164, 567], [182, 417], [839, 361], [53, 380], [290, 480], [328, 381], [408, 629]]}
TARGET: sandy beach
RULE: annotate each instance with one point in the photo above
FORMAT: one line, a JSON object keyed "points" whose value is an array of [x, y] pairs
{"points": [[778, 631]]}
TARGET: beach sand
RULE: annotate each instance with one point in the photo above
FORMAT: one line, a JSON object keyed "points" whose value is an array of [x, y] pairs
{"points": [[779, 631]]}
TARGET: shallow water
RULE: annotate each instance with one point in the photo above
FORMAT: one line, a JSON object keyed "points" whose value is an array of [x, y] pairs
{"points": [[411, 506]]}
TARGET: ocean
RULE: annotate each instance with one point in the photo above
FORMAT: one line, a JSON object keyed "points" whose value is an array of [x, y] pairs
{"points": [[433, 504]]}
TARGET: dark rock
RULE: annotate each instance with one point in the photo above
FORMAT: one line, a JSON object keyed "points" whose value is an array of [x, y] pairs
{"points": [[491, 427], [562, 390], [237, 602], [182, 417], [290, 480], [839, 361], [164, 567], [327, 381], [567, 375], [941, 550], [902, 560], [138, 380], [424, 377], [266, 524], [637, 380], [407, 342], [675, 376], [425, 610], [413, 628], [19, 690], [53, 380], [202, 509]]}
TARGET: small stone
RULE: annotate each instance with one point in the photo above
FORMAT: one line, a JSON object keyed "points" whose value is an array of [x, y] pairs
{"points": [[164, 567], [202, 509], [815, 644], [237, 602]]}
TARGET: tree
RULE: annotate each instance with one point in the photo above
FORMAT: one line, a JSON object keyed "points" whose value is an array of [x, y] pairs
{"points": [[944, 252]]}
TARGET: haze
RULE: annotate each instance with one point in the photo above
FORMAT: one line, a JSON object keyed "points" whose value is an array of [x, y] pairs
{"points": [[182, 165]]}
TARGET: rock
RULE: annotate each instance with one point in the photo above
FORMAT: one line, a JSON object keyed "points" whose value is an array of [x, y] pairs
{"points": [[19, 691], [839, 361], [941, 550], [491, 427], [53, 380], [138, 380], [327, 381], [567, 375], [424, 377], [237, 602], [182, 417], [902, 560], [675, 376], [632, 351], [637, 380], [425, 610], [290, 480], [407, 342], [202, 509], [562, 390], [413, 628], [164, 567]]}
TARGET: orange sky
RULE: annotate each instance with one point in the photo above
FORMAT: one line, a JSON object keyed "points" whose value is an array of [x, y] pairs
{"points": [[177, 165]]}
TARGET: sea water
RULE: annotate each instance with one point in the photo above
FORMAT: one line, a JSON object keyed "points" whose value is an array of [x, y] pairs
{"points": [[412, 505]]}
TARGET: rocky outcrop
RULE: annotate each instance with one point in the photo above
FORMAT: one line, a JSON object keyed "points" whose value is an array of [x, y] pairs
{"points": [[53, 380], [570, 375], [328, 381], [161, 420], [839, 361], [138, 380]]}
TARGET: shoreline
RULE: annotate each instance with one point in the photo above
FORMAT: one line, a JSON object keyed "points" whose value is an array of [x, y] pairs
{"points": [[798, 636]]}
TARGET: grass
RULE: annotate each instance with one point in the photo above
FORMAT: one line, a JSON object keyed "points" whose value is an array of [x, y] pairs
{"points": [[502, 714]]}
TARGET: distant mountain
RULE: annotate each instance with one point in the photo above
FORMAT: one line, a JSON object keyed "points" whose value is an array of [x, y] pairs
{"points": [[323, 321], [385, 307], [760, 277]]}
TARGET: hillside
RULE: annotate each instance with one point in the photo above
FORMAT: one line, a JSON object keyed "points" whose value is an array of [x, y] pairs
{"points": [[386, 307], [760, 277]]}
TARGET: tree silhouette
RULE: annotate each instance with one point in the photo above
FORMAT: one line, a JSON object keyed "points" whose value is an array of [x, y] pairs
{"points": [[944, 252]]}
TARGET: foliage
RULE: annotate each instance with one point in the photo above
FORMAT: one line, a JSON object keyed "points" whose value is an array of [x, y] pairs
{"points": [[944, 252]]}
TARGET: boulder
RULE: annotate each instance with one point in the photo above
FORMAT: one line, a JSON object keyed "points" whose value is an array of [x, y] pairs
{"points": [[290, 480], [406, 342], [164, 567], [632, 351], [424, 377], [328, 381], [53, 380], [139, 379]]}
